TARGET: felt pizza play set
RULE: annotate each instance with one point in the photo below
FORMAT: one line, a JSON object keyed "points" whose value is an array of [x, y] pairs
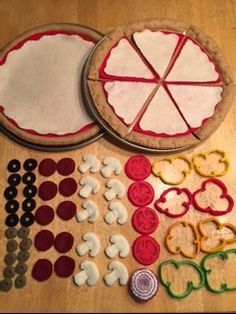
{"points": [[173, 90], [61, 85]]}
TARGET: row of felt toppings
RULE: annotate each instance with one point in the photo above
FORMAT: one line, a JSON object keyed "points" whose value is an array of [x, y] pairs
{"points": [[188, 96]]}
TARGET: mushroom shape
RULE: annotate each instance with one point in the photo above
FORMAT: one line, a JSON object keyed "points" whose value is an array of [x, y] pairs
{"points": [[112, 165], [89, 274], [120, 246], [118, 272], [116, 189], [89, 185], [90, 163], [90, 211], [91, 245], [117, 212]]}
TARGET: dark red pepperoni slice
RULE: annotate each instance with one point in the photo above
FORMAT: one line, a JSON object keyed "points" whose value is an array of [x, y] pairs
{"points": [[47, 190], [146, 250], [42, 269], [140, 193], [67, 187], [63, 242], [66, 166], [47, 167], [44, 240], [145, 220], [138, 167], [64, 266], [66, 210], [44, 215]]}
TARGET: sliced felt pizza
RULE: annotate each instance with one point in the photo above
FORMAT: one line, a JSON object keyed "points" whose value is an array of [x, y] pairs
{"points": [[160, 83], [40, 95]]}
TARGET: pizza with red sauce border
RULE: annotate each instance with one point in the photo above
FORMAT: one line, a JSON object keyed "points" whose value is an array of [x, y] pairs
{"points": [[160, 83], [40, 95]]}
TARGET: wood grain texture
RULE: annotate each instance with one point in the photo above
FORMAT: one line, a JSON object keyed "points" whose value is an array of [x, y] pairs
{"points": [[216, 18]]}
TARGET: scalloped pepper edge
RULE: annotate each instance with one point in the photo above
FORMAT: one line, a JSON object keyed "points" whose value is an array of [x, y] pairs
{"points": [[190, 285], [207, 271], [222, 241], [223, 160], [166, 211], [178, 250], [170, 160], [224, 194]]}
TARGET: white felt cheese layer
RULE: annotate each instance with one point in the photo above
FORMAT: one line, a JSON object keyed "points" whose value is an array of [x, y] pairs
{"points": [[124, 61], [39, 84], [157, 47], [196, 102], [192, 65], [127, 98], [162, 116]]}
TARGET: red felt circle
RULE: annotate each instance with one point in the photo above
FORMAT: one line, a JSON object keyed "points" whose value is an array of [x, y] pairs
{"points": [[66, 210], [65, 166], [47, 167], [63, 242], [64, 266], [44, 240], [44, 215], [47, 190], [145, 220], [146, 250], [67, 187], [42, 269], [140, 193], [138, 167]]}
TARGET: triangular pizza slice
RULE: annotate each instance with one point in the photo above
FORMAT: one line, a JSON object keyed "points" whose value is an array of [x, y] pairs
{"points": [[127, 98], [158, 47], [193, 65], [162, 117], [196, 103], [124, 62]]}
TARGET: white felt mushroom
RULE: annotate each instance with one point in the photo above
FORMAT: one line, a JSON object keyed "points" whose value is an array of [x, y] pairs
{"points": [[117, 212], [119, 246], [112, 165], [90, 211], [91, 245], [89, 274], [90, 163], [118, 273], [116, 189], [89, 185]]}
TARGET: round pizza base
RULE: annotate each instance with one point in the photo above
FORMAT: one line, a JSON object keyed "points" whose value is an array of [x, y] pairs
{"points": [[167, 146], [42, 142], [103, 112]]}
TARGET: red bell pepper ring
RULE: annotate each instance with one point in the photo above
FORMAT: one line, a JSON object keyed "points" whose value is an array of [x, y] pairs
{"points": [[166, 211], [224, 195]]}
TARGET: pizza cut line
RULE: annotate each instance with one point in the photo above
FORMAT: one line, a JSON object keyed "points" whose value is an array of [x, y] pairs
{"points": [[40, 98], [192, 84]]}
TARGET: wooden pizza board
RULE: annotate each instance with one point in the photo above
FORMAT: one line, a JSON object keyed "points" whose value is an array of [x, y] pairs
{"points": [[61, 295]]}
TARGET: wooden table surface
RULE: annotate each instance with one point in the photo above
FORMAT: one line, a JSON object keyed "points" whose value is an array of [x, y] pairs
{"points": [[217, 18]]}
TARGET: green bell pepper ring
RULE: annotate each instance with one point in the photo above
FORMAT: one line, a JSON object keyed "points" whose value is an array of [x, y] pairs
{"points": [[224, 255], [190, 285]]}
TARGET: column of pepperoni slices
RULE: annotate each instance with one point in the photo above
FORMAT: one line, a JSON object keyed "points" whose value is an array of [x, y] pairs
{"points": [[145, 248], [44, 240]]}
